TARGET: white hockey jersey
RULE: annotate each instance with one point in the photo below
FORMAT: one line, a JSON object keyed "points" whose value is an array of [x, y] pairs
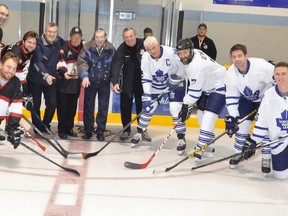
{"points": [[252, 85], [205, 75], [157, 71], [272, 119], [272, 116]]}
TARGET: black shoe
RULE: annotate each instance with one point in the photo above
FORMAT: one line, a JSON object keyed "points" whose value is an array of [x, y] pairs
{"points": [[71, 133], [87, 136], [63, 136], [100, 137]]}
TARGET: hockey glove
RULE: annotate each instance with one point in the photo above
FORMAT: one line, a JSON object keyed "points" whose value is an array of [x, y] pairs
{"points": [[249, 148], [146, 102], [28, 102], [185, 112], [14, 136], [231, 125], [173, 82]]}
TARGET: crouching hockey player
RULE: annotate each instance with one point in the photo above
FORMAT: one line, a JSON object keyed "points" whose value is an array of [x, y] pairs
{"points": [[206, 89], [272, 119], [159, 64], [10, 97]]}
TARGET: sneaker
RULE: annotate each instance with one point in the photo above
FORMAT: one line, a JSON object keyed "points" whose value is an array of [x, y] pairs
{"points": [[235, 161], [198, 155], [125, 136], [266, 165], [146, 137], [181, 146], [136, 139]]}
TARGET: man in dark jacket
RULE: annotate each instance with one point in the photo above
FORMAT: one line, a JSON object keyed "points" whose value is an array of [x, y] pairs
{"points": [[42, 74], [94, 67], [68, 83], [126, 78], [204, 43]]}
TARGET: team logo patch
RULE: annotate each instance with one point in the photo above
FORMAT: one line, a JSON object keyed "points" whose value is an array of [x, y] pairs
{"points": [[282, 122], [249, 95]]}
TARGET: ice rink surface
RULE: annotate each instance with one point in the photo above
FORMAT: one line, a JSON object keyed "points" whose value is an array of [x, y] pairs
{"points": [[31, 185]]}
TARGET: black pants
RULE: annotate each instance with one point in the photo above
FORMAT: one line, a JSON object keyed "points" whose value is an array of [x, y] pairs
{"points": [[126, 103], [50, 97], [103, 91], [66, 110]]}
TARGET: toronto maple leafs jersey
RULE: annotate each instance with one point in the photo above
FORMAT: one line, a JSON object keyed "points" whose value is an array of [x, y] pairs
{"points": [[272, 119], [155, 72], [205, 76], [252, 85]]}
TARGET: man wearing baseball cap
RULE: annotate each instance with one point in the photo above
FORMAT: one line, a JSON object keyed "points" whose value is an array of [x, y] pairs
{"points": [[68, 84]]}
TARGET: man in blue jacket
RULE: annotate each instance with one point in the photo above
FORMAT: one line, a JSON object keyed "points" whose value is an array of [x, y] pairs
{"points": [[94, 67], [42, 74]]}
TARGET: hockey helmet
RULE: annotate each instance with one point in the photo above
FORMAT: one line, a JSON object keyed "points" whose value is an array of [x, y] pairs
{"points": [[185, 44]]}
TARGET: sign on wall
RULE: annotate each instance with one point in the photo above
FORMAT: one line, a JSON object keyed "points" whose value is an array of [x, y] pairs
{"points": [[162, 109], [258, 3]]}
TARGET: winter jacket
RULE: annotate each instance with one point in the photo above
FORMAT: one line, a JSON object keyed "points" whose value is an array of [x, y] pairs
{"points": [[126, 68], [44, 60], [96, 63]]}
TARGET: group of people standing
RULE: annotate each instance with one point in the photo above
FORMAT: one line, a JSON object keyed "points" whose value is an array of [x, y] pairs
{"points": [[142, 71]]}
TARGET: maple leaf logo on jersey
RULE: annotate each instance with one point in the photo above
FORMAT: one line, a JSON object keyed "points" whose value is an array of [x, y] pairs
{"points": [[282, 122], [160, 76], [249, 95]]}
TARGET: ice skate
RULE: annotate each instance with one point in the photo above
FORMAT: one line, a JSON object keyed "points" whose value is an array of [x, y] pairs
{"points": [[136, 139], [146, 137], [181, 146], [235, 161], [266, 166], [198, 155], [209, 151]]}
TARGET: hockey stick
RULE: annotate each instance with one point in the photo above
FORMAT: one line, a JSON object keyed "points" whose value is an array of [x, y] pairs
{"points": [[46, 158], [144, 165], [62, 151], [33, 138], [92, 154], [240, 153], [204, 146]]}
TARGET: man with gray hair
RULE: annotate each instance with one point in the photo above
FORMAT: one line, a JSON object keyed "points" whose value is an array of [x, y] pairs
{"points": [[42, 74], [159, 64]]}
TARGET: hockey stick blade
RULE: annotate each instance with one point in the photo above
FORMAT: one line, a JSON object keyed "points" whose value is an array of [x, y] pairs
{"points": [[60, 150], [48, 159], [75, 156], [131, 165], [144, 165]]}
